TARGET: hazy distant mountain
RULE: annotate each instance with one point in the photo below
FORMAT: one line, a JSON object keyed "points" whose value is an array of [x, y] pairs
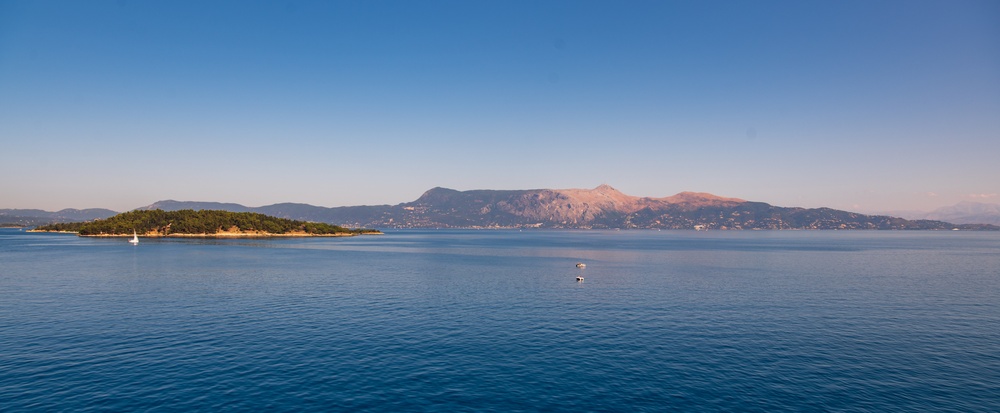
{"points": [[964, 212], [601, 207], [350, 216], [30, 217]]}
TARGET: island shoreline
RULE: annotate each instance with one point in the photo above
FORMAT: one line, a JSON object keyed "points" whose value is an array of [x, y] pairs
{"points": [[221, 235]]}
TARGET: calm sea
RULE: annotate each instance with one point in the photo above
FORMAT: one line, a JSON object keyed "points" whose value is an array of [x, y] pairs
{"points": [[496, 321]]}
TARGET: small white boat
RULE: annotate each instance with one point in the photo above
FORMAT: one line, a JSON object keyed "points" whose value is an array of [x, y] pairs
{"points": [[135, 238], [581, 265], [579, 279]]}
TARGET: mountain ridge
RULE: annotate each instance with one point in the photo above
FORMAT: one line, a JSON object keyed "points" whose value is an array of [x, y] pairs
{"points": [[31, 217], [600, 207], [963, 212], [566, 207]]}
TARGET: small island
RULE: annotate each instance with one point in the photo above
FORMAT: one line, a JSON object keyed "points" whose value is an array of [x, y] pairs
{"points": [[201, 224]]}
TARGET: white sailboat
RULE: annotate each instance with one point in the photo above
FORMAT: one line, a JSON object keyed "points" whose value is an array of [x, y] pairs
{"points": [[135, 238]]}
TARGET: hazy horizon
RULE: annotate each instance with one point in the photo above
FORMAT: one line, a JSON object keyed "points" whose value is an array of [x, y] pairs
{"points": [[860, 106]]}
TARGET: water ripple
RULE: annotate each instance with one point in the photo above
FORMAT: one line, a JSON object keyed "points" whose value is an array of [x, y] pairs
{"points": [[474, 321]]}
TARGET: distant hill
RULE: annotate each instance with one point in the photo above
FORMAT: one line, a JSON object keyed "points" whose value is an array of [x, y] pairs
{"points": [[350, 216], [964, 212], [601, 207], [968, 213], [32, 217]]}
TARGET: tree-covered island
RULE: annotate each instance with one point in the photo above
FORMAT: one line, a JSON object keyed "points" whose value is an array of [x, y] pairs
{"points": [[202, 223]]}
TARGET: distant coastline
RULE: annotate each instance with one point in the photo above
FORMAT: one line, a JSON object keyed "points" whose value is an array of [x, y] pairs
{"points": [[602, 207], [223, 235]]}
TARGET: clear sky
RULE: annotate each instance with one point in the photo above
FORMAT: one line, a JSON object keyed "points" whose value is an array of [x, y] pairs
{"points": [[858, 105]]}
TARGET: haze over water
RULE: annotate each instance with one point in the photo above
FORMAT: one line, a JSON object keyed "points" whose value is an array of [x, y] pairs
{"points": [[494, 320]]}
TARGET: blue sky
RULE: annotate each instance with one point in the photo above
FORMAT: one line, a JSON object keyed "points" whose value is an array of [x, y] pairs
{"points": [[866, 106]]}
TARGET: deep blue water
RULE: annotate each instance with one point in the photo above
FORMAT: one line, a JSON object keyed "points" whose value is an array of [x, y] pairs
{"points": [[495, 321]]}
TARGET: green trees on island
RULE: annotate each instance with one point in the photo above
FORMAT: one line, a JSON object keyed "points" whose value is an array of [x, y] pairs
{"points": [[206, 222]]}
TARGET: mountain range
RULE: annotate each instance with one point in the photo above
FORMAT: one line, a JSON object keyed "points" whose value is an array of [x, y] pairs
{"points": [[33, 217], [965, 212], [601, 207]]}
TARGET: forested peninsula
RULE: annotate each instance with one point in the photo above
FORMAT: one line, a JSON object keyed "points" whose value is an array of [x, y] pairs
{"points": [[202, 223]]}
